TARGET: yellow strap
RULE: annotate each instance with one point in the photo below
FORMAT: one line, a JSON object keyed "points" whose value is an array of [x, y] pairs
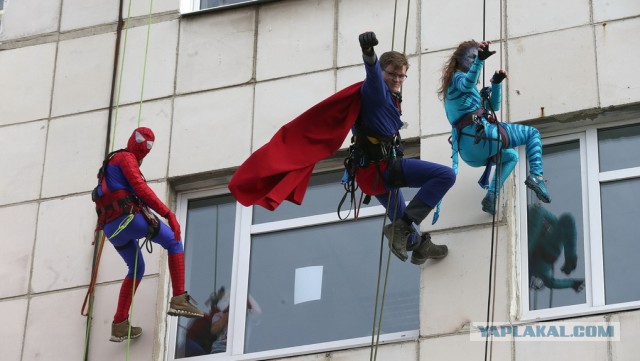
{"points": [[373, 140]]}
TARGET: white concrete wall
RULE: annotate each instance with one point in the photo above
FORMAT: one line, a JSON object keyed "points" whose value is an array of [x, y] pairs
{"points": [[227, 80]]}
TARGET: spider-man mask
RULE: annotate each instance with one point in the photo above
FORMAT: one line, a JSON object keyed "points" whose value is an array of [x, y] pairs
{"points": [[140, 142]]}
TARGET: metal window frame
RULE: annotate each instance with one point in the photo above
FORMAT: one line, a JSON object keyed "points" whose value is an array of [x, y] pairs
{"points": [[193, 6], [240, 282], [592, 179]]}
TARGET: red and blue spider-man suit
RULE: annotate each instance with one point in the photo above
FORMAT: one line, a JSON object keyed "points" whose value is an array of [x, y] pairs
{"points": [[122, 192]]}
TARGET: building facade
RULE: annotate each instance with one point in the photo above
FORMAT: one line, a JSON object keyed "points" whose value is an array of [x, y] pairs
{"points": [[215, 80]]}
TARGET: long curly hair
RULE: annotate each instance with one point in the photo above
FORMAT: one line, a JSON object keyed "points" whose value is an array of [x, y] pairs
{"points": [[451, 66]]}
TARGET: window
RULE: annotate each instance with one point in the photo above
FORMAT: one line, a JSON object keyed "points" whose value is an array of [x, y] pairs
{"points": [[293, 281], [1, 12], [188, 6], [594, 179]]}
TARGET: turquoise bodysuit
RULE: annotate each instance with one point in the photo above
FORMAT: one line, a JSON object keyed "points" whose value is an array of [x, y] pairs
{"points": [[463, 98]]}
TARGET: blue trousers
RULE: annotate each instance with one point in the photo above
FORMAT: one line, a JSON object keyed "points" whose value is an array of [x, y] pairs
{"points": [[434, 180], [126, 245]]}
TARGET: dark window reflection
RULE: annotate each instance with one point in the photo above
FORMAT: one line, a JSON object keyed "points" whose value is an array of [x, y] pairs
{"points": [[208, 256], [621, 240], [306, 285], [206, 4], [618, 148], [555, 232], [317, 284]]}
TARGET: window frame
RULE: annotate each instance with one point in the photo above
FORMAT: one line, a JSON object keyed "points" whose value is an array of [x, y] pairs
{"points": [[244, 230], [193, 6], [591, 181], [2, 3]]}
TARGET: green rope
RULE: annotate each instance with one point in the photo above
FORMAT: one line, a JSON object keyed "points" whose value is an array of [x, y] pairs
{"points": [[133, 293], [144, 67], [144, 72], [127, 220], [123, 224]]}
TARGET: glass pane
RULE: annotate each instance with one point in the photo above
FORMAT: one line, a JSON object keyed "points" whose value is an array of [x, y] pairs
{"points": [[318, 284], [208, 258], [323, 196], [555, 232], [618, 148], [205, 4], [620, 242]]}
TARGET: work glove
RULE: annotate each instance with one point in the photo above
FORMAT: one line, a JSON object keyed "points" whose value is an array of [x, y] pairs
{"points": [[569, 265], [174, 225], [498, 76], [484, 52], [367, 41]]}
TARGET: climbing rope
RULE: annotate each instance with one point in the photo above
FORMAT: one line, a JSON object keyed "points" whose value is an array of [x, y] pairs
{"points": [[491, 294], [377, 318], [100, 236], [493, 260], [144, 72]]}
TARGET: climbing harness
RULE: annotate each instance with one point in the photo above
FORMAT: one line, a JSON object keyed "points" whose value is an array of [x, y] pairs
{"points": [[370, 152], [99, 236], [353, 161]]}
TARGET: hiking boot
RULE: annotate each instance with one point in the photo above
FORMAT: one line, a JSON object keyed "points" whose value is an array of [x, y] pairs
{"points": [[120, 331], [397, 233], [537, 185], [489, 203], [181, 306], [413, 241], [428, 249]]}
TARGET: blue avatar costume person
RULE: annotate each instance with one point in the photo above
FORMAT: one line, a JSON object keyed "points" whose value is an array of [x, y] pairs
{"points": [[549, 236], [281, 169], [123, 198], [476, 135]]}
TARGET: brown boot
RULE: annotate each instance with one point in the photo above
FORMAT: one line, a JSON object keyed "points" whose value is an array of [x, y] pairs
{"points": [[428, 249], [120, 331], [181, 306]]}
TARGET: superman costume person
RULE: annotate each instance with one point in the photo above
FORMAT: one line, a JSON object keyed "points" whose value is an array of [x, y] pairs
{"points": [[122, 199], [281, 169]]}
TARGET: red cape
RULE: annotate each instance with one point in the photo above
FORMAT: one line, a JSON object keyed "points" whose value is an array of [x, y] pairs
{"points": [[281, 169]]}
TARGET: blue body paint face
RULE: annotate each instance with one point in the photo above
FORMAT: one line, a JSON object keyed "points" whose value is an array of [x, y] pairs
{"points": [[467, 58]]}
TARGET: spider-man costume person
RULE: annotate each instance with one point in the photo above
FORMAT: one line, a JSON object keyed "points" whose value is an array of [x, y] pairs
{"points": [[122, 200]]}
